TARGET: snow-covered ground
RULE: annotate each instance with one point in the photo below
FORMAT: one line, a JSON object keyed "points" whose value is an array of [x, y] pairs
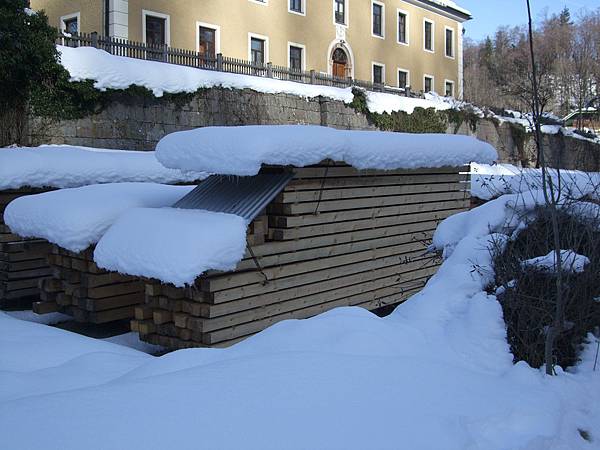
{"points": [[490, 181], [436, 374], [117, 72], [65, 166]]}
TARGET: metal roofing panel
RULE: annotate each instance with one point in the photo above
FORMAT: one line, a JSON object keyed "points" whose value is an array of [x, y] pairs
{"points": [[243, 196]]}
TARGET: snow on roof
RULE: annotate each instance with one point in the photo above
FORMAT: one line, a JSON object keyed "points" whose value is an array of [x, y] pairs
{"points": [[76, 218], [62, 166], [452, 5], [117, 72], [242, 150], [172, 245]]}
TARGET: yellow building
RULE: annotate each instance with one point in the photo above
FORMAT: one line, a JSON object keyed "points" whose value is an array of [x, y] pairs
{"points": [[416, 43]]}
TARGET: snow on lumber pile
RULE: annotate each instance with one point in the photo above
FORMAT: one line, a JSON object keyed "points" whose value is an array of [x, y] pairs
{"points": [[75, 219], [329, 228], [25, 171], [243, 150], [64, 166]]}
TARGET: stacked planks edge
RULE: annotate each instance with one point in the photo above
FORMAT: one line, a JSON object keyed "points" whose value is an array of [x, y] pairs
{"points": [[22, 261], [334, 237], [78, 287]]}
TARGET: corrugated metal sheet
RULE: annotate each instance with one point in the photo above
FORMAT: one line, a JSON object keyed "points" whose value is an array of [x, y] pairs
{"points": [[243, 196]]}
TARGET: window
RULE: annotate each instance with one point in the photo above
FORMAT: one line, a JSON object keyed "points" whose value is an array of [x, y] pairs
{"points": [[155, 31], [296, 6], [296, 58], [449, 88], [257, 51], [428, 83], [340, 11], [449, 42], [377, 12], [207, 41], [378, 73], [402, 27], [403, 79], [428, 35], [70, 24]]}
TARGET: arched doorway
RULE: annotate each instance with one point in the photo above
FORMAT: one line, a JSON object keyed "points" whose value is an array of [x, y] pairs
{"points": [[339, 63]]}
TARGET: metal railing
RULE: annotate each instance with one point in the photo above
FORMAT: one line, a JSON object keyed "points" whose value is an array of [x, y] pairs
{"points": [[220, 63]]}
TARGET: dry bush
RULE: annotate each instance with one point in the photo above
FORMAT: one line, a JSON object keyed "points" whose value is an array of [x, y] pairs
{"points": [[528, 295]]}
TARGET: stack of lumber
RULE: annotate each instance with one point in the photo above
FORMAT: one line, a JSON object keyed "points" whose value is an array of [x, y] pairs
{"points": [[79, 288], [335, 237], [22, 261]]}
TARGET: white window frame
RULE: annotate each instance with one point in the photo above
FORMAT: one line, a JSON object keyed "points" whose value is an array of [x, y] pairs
{"points": [[375, 2], [446, 28], [373, 64], [398, 70], [260, 2], [263, 38], [398, 11], [303, 8], [453, 87], [303, 47], [426, 75], [346, 23], [432, 35], [76, 15], [212, 26], [167, 17]]}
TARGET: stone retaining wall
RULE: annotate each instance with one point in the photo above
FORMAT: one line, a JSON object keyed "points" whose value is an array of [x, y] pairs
{"points": [[138, 122]]}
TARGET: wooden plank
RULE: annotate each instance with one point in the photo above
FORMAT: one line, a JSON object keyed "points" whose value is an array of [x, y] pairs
{"points": [[110, 290], [143, 312], [382, 180], [23, 265], [95, 280], [282, 234], [400, 293], [312, 277], [111, 315], [26, 274], [375, 202], [228, 281], [358, 214], [116, 301], [45, 307], [424, 230], [262, 310], [402, 269], [356, 193], [347, 171]]}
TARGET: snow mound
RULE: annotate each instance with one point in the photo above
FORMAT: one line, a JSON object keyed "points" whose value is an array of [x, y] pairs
{"points": [[570, 262], [172, 245], [380, 103], [118, 72], [242, 150], [77, 218], [490, 181], [64, 166]]}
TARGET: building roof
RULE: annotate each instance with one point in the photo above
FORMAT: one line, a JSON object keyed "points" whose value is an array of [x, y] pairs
{"points": [[243, 196], [447, 6]]}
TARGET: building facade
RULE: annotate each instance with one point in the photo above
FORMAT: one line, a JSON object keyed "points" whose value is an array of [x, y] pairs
{"points": [[415, 43]]}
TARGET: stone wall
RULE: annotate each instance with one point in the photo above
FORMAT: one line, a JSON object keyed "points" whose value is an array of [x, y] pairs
{"points": [[138, 122]]}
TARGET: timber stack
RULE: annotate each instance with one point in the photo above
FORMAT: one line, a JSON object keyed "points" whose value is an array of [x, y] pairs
{"points": [[79, 288], [334, 236], [22, 261]]}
